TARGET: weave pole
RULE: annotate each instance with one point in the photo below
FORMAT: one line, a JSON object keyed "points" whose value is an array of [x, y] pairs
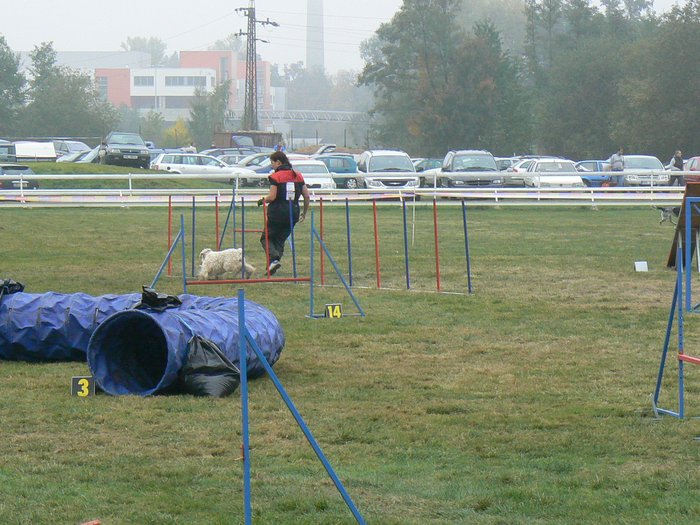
{"points": [[242, 233], [323, 272], [347, 227], [466, 246], [170, 231], [291, 238], [217, 240], [376, 245], [437, 250], [194, 224], [405, 245]]}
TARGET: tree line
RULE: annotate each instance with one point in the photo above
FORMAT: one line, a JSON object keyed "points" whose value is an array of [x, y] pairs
{"points": [[563, 77], [583, 80]]}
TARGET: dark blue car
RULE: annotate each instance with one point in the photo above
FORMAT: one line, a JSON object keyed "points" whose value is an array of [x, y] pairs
{"points": [[592, 172]]}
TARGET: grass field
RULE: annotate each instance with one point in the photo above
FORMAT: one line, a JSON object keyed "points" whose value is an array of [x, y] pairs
{"points": [[527, 402]]}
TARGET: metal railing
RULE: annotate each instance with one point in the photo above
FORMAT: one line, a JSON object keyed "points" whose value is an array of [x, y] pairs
{"points": [[129, 195]]}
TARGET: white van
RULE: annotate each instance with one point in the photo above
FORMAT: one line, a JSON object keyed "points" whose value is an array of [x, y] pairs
{"points": [[27, 151]]}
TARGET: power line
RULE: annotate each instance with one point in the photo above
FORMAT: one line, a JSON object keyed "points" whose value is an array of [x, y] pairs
{"points": [[250, 112]]}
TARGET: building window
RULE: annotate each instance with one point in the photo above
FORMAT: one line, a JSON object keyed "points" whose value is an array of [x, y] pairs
{"points": [[143, 81], [102, 87], [186, 81]]}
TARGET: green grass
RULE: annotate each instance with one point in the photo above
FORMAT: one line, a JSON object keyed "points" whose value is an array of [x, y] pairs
{"points": [[527, 402]]}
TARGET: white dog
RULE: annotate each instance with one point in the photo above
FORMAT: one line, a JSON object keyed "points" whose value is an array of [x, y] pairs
{"points": [[213, 264]]}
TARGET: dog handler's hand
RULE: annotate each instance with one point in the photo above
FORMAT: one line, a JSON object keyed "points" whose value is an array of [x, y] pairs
{"points": [[302, 216], [261, 200]]}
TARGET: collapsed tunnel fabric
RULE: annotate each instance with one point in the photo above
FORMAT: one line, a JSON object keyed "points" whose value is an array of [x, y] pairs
{"points": [[130, 351]]}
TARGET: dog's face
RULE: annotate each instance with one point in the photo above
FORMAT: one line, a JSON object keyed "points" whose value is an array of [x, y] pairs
{"points": [[203, 254]]}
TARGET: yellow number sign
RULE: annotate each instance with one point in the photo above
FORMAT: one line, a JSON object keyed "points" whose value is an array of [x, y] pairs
{"points": [[82, 386], [334, 311]]}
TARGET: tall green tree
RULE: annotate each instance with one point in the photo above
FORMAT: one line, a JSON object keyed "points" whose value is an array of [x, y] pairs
{"points": [[576, 106], [207, 112], [437, 88], [12, 89], [659, 96], [63, 101]]}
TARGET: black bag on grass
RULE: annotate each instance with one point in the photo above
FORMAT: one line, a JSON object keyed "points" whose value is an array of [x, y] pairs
{"points": [[208, 372]]}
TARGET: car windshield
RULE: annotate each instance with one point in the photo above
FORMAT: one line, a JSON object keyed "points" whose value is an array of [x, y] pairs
{"points": [[307, 169], [643, 163], [556, 167], [390, 163], [126, 138], [474, 163]]}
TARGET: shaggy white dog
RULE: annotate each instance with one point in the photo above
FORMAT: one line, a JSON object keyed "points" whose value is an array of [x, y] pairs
{"points": [[213, 265]]}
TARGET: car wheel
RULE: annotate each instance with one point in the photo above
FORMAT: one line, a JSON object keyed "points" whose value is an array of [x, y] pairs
{"points": [[351, 184]]}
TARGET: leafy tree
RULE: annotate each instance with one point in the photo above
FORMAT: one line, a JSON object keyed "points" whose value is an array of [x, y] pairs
{"points": [[207, 112], [154, 46], [508, 16], [576, 105], [436, 88], [63, 101], [177, 135], [12, 88], [657, 109], [153, 127], [232, 42]]}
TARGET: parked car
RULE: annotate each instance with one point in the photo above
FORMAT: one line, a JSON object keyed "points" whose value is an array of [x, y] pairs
{"points": [[33, 151], [426, 164], [230, 159], [16, 184], [217, 152], [469, 168], [504, 163], [387, 169], [342, 164], [68, 147], [126, 149], [196, 163], [89, 157], [692, 164], [645, 170], [315, 173], [593, 172], [548, 173], [73, 157]]}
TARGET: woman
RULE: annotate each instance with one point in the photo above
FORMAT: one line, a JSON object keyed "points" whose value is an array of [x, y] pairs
{"points": [[286, 186]]}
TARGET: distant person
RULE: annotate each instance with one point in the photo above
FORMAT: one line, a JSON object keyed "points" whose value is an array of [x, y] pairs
{"points": [[286, 186], [617, 163], [676, 161], [676, 164], [190, 149], [102, 152]]}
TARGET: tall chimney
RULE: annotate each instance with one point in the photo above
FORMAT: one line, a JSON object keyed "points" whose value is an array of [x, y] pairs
{"points": [[314, 34]]}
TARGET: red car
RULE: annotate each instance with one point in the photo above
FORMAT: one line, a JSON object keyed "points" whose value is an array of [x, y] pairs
{"points": [[692, 164]]}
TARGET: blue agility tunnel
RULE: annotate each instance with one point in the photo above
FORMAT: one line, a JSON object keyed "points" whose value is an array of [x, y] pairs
{"points": [[131, 348]]}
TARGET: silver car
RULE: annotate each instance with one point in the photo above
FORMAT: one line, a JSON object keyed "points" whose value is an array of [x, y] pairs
{"points": [[196, 164], [387, 169]]}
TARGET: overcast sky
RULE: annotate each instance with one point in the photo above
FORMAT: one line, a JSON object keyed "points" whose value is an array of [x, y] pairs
{"points": [[87, 25]]}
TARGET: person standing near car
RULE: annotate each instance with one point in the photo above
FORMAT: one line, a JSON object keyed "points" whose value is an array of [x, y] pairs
{"points": [[676, 164], [286, 186], [617, 163]]}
